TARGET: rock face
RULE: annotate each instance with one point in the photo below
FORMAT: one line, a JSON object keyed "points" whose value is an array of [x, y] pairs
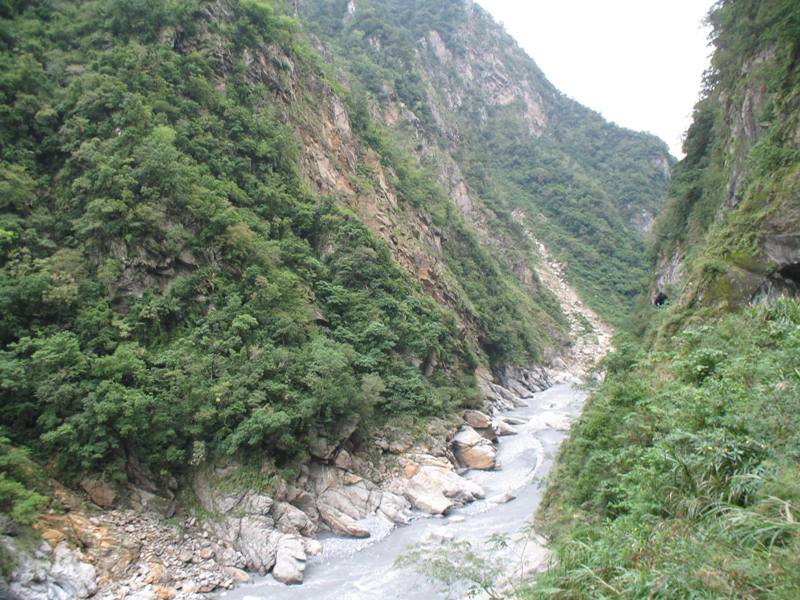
{"points": [[58, 573], [473, 450]]}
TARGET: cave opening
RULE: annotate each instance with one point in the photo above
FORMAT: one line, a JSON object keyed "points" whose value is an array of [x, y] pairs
{"points": [[660, 299], [791, 272]]}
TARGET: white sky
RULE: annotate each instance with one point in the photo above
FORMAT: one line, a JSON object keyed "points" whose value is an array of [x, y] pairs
{"points": [[638, 62]]}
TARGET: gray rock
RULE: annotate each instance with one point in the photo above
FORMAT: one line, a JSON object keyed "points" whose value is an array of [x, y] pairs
{"points": [[100, 492], [396, 508], [71, 574], [290, 562], [290, 519], [341, 523]]}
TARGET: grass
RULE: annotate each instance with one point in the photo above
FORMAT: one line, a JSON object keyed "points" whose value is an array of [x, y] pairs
{"points": [[681, 479]]}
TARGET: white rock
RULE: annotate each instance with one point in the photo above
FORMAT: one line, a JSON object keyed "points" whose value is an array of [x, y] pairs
{"points": [[71, 574], [502, 428], [435, 490], [313, 547]]}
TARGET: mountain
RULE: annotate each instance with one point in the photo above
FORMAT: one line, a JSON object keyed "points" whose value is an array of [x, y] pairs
{"points": [[510, 149], [241, 241], [680, 479]]}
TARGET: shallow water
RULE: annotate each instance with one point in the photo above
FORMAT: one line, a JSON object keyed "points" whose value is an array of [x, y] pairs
{"points": [[351, 569]]}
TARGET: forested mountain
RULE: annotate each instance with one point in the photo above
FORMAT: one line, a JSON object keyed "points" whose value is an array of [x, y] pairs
{"points": [[511, 149], [680, 480], [192, 255]]}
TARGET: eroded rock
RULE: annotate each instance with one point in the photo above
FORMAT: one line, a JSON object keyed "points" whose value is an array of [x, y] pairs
{"points": [[473, 450], [290, 560]]}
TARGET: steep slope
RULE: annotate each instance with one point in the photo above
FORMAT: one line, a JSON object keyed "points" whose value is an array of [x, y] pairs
{"points": [[730, 231], [680, 480], [511, 150]]}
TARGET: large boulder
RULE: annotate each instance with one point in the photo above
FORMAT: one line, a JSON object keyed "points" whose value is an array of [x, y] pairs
{"points": [[395, 508], [477, 419], [49, 574], [435, 489], [341, 523], [473, 450], [290, 519], [100, 492], [290, 560]]}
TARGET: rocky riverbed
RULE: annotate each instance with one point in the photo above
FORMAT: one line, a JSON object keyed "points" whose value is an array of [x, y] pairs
{"points": [[505, 499]]}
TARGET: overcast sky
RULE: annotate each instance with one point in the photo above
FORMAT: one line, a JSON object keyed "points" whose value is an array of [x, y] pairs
{"points": [[638, 62]]}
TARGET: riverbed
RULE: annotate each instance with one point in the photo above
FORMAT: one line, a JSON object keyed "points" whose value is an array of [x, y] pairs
{"points": [[350, 569]]}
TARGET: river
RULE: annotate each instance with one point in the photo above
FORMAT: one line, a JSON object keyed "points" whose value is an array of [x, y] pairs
{"points": [[350, 569]]}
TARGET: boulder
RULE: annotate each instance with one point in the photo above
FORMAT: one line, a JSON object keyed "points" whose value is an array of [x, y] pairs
{"points": [[77, 578], [100, 492], [290, 519], [395, 508], [290, 560], [341, 523], [502, 428], [481, 457], [473, 450], [253, 536], [144, 501], [237, 575], [435, 490], [313, 547], [477, 419]]}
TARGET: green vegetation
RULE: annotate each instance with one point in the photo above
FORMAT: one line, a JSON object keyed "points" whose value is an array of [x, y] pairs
{"points": [[582, 186], [680, 480], [172, 290], [739, 181], [169, 286]]}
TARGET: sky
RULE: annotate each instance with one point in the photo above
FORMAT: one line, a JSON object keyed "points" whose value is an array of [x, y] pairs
{"points": [[637, 62]]}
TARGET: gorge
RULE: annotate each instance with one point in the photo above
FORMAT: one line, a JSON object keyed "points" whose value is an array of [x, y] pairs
{"points": [[283, 284]]}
